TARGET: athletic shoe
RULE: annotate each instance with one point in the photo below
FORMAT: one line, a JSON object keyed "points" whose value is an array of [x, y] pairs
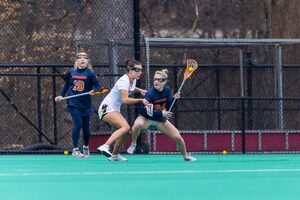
{"points": [[86, 151], [115, 158], [105, 150], [77, 154], [189, 158], [131, 149]]}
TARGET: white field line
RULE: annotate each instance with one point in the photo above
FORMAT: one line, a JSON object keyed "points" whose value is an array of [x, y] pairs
{"points": [[146, 172]]}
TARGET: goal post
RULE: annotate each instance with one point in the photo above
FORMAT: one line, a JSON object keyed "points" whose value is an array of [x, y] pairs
{"points": [[228, 68]]}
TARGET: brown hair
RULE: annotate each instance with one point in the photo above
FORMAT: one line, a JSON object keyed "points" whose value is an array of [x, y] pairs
{"points": [[131, 63]]}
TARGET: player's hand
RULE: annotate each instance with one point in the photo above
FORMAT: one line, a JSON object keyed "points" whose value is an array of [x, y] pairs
{"points": [[143, 92], [145, 102], [167, 114], [92, 92], [177, 95], [58, 98]]}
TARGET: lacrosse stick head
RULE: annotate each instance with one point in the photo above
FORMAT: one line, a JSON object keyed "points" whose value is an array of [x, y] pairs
{"points": [[149, 109], [103, 90], [191, 66]]}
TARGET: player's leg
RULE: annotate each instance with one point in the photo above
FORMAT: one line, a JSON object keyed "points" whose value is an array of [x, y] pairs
{"points": [[119, 143], [77, 125], [139, 124], [86, 129], [116, 120], [170, 130], [122, 124], [86, 135]]}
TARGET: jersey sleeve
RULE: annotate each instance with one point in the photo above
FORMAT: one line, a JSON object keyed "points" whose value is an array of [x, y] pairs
{"points": [[148, 97], [122, 84], [95, 81], [67, 78]]}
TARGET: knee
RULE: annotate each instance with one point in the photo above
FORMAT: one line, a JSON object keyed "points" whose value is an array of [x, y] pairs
{"points": [[76, 127], [126, 129], [86, 128], [137, 125]]}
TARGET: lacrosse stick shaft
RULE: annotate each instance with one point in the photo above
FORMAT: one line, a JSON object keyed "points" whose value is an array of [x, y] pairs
{"points": [[76, 95], [103, 90], [173, 103]]}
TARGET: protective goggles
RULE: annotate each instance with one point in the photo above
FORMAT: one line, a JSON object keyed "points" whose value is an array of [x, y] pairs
{"points": [[136, 69], [159, 79]]}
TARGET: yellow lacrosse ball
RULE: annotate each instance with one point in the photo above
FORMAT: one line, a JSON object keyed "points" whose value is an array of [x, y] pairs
{"points": [[66, 152], [224, 152], [191, 69]]}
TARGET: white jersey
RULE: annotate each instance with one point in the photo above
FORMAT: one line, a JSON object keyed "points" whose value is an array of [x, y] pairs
{"points": [[113, 100]]}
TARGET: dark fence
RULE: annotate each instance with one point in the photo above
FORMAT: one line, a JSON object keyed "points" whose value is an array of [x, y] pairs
{"points": [[32, 122], [241, 85], [28, 110]]}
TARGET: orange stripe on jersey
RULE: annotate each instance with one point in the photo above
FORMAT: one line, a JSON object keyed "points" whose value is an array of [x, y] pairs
{"points": [[160, 100], [80, 77]]}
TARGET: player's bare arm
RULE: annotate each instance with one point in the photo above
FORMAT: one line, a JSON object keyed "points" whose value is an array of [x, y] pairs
{"points": [[128, 100], [141, 91]]}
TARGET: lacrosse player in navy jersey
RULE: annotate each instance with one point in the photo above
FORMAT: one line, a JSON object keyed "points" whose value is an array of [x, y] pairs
{"points": [[80, 79], [160, 99]]}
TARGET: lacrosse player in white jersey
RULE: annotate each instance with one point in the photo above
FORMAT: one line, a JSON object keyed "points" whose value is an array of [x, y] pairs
{"points": [[109, 109]]}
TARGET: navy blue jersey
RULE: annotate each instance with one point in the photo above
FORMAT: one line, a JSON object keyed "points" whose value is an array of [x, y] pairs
{"points": [[80, 81], [160, 100]]}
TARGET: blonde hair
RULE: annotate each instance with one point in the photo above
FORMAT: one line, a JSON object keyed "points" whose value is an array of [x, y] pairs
{"points": [[163, 73], [83, 54]]}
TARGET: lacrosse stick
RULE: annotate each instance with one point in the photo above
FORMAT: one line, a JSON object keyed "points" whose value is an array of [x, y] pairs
{"points": [[149, 109], [191, 66], [103, 90]]}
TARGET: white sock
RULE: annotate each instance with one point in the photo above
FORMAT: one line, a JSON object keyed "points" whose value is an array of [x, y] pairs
{"points": [[133, 145]]}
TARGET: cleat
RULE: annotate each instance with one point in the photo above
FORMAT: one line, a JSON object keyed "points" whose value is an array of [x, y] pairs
{"points": [[189, 158], [77, 154], [86, 151], [131, 149], [105, 150], [116, 158]]}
